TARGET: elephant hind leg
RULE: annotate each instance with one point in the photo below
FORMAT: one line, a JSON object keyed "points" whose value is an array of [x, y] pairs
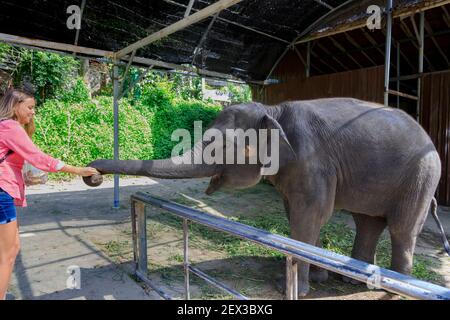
{"points": [[368, 231], [405, 226], [403, 238]]}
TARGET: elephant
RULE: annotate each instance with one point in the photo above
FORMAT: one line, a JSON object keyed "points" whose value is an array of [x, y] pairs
{"points": [[373, 161]]}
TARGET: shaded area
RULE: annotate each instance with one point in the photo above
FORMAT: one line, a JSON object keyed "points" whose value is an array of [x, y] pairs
{"points": [[228, 48]]}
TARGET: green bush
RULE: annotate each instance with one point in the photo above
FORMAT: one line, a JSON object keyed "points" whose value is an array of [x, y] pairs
{"points": [[79, 93], [181, 115], [170, 113], [50, 73], [81, 132]]}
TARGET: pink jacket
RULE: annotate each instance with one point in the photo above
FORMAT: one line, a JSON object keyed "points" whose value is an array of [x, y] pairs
{"points": [[13, 137]]}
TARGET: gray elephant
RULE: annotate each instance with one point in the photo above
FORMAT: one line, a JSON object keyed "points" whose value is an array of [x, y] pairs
{"points": [[339, 153]]}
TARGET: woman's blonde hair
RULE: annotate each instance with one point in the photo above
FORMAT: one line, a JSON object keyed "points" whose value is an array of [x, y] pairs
{"points": [[9, 102]]}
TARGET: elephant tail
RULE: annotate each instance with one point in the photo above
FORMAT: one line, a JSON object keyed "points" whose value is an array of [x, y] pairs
{"points": [[439, 224]]}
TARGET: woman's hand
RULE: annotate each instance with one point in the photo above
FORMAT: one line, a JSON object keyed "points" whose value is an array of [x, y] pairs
{"points": [[87, 171], [81, 171]]}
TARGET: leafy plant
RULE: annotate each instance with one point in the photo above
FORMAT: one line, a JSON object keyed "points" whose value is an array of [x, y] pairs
{"points": [[50, 73]]}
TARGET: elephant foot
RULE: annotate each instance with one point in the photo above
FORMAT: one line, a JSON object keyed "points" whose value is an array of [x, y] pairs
{"points": [[318, 275], [302, 288], [350, 280]]}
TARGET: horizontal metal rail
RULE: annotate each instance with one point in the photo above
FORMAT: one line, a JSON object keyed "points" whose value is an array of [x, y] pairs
{"points": [[373, 275]]}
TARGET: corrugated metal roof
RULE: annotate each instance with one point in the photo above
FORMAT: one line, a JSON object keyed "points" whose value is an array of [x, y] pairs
{"points": [[228, 48]]}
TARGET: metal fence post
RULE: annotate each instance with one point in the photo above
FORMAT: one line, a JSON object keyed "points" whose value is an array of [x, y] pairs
{"points": [[186, 258], [421, 53], [116, 204], [291, 279], [388, 52], [141, 237], [134, 233]]}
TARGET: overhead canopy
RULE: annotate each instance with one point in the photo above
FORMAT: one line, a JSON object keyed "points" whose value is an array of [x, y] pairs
{"points": [[245, 40]]}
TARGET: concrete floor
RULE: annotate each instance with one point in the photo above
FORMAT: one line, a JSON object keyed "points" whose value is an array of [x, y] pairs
{"points": [[62, 226]]}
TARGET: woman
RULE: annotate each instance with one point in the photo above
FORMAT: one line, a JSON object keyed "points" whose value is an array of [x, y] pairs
{"points": [[16, 128]]}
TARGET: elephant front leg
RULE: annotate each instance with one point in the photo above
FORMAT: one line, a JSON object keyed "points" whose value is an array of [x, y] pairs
{"points": [[317, 274], [306, 220]]}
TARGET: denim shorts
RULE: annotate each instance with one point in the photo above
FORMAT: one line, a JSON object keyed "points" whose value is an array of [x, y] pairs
{"points": [[7, 208]]}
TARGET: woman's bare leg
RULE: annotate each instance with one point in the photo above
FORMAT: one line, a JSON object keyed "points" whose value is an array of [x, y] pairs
{"points": [[9, 248]]}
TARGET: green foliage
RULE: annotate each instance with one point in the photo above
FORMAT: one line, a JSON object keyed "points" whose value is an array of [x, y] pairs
{"points": [[78, 133], [180, 115], [239, 93], [79, 93], [159, 98], [157, 92], [51, 74], [187, 88]]}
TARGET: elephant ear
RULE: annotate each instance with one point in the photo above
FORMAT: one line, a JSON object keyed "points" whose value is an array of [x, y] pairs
{"points": [[286, 151]]}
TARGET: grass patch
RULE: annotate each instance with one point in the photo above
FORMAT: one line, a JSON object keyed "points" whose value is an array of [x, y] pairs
{"points": [[118, 250], [336, 237]]}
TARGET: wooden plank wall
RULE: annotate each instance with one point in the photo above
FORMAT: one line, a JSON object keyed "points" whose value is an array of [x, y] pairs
{"points": [[366, 84], [435, 118]]}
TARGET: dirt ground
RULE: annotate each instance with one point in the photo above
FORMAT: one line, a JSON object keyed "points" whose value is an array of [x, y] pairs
{"points": [[72, 224]]}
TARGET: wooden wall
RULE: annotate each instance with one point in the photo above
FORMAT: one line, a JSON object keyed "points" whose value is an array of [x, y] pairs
{"points": [[365, 84], [435, 118]]}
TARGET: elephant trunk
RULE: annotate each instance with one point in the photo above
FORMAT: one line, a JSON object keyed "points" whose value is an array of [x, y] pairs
{"points": [[180, 167]]}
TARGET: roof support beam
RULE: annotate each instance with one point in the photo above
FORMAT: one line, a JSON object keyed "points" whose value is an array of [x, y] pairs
{"points": [[233, 23], [408, 32], [202, 72], [77, 35], [305, 32], [202, 40], [427, 5], [416, 30], [323, 3], [189, 8], [446, 16], [332, 56], [341, 48], [177, 26], [356, 45], [318, 58], [55, 46], [63, 48], [430, 32]]}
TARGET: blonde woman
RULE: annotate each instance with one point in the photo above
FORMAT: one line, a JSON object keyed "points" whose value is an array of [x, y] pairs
{"points": [[16, 128]]}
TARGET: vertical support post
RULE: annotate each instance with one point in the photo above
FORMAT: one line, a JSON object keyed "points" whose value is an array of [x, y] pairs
{"points": [[308, 60], [387, 63], [116, 132], [398, 73], [134, 233], [291, 279], [186, 258], [421, 53], [141, 237]]}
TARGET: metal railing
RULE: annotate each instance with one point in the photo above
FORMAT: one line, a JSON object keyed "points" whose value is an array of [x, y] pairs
{"points": [[373, 275]]}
